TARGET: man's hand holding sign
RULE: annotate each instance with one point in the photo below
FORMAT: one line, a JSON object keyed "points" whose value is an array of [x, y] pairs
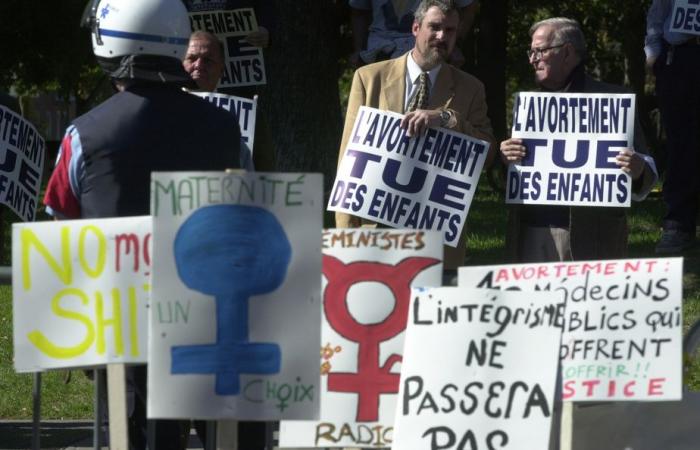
{"points": [[418, 121], [513, 151], [572, 149]]}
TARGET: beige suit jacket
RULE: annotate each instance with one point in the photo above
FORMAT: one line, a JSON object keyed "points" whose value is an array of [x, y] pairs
{"points": [[383, 85]]}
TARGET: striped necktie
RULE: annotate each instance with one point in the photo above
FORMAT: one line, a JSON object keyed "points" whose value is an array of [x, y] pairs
{"points": [[420, 99]]}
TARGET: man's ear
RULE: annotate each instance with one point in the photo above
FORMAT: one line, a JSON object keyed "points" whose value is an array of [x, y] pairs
{"points": [[415, 28], [570, 51]]}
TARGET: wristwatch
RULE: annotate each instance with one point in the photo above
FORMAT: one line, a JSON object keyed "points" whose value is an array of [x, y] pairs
{"points": [[445, 116]]}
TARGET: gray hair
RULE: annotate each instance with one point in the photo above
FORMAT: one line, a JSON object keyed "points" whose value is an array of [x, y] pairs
{"points": [[446, 6], [565, 31], [211, 37]]}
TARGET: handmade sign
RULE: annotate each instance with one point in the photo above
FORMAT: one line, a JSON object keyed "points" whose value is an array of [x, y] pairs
{"points": [[80, 292], [243, 62], [623, 334], [424, 182], [479, 370], [368, 274], [240, 253], [243, 108], [571, 142], [22, 164], [685, 17]]}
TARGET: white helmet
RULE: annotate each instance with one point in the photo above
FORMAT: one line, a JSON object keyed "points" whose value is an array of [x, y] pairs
{"points": [[138, 27]]}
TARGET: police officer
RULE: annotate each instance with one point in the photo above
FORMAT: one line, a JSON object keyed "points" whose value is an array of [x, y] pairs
{"points": [[107, 155]]}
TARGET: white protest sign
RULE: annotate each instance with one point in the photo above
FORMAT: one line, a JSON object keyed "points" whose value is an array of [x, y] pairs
{"points": [[571, 141], [239, 264], [368, 274], [425, 182], [243, 62], [22, 163], [80, 292], [479, 371], [623, 333], [685, 17], [243, 108]]}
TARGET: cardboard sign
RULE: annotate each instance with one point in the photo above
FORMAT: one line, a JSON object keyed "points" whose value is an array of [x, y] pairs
{"points": [[243, 108], [479, 371], [239, 263], [623, 334], [80, 292], [22, 163], [571, 142], [685, 17], [425, 182], [243, 62], [368, 274]]}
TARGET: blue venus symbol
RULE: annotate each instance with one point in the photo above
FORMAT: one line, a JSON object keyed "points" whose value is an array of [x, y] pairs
{"points": [[231, 252]]}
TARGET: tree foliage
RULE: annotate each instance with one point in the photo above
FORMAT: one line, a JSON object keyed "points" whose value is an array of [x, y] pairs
{"points": [[45, 49]]}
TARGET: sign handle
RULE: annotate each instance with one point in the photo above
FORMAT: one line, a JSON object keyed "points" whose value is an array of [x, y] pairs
{"points": [[36, 411], [99, 379], [227, 435], [210, 443], [567, 426], [116, 391]]}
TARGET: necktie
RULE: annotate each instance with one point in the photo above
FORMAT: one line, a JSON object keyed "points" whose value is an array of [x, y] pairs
{"points": [[420, 99]]}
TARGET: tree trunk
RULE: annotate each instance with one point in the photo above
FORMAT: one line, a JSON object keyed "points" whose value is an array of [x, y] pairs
{"points": [[301, 100], [491, 61]]}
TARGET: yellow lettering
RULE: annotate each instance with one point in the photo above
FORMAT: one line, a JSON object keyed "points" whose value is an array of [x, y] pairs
{"points": [[64, 272], [115, 322], [133, 322], [101, 251], [45, 345]]}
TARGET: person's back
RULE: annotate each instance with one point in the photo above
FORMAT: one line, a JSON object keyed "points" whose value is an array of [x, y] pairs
{"points": [[107, 155], [146, 128]]}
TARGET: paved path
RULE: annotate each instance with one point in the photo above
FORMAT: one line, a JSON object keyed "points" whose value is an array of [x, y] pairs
{"points": [[639, 425], [58, 434], [610, 426]]}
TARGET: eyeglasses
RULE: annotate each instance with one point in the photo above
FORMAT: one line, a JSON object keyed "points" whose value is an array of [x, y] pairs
{"points": [[538, 53]]}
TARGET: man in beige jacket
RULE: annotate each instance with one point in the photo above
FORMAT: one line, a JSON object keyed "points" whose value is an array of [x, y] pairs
{"points": [[456, 100]]}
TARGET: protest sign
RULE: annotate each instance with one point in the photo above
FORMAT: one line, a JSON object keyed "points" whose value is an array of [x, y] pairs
{"points": [[685, 17], [571, 142], [479, 371], [622, 338], [22, 164], [243, 108], [424, 182], [243, 62], [240, 254], [80, 292], [368, 274]]}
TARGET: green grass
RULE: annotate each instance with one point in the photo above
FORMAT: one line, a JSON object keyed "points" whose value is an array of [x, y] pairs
{"points": [[60, 400], [486, 245]]}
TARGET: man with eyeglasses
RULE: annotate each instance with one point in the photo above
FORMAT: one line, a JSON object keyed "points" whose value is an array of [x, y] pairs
{"points": [[545, 233]]}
